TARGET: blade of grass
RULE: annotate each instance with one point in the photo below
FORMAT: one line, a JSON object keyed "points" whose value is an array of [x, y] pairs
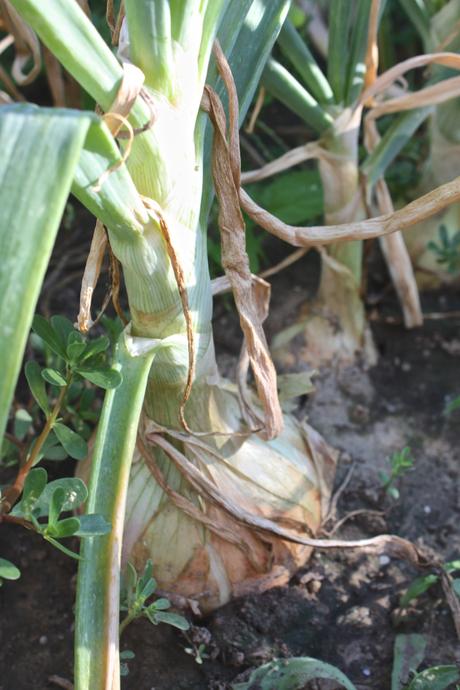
{"points": [[40, 150]]}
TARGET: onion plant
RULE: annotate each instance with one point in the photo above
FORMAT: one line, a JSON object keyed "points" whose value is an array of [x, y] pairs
{"points": [[333, 105], [436, 24], [209, 499]]}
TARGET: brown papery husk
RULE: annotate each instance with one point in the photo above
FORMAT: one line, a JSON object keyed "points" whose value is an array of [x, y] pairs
{"points": [[200, 552]]}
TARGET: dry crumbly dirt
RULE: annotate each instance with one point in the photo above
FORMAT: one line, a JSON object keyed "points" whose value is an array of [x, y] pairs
{"points": [[341, 608]]}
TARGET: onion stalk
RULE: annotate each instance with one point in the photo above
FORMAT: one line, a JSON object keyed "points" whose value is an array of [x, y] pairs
{"points": [[190, 497], [442, 163]]}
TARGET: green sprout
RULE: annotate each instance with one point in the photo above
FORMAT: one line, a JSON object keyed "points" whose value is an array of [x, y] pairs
{"points": [[401, 463]]}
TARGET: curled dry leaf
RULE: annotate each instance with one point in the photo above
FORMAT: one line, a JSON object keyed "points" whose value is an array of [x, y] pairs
{"points": [[393, 246], [91, 276], [26, 43], [392, 75], [411, 214], [226, 175]]}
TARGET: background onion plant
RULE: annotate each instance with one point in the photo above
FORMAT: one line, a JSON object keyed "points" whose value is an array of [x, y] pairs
{"points": [[339, 97]]}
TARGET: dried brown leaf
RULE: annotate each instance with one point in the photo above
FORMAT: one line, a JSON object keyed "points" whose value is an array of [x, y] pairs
{"points": [[91, 276], [226, 174], [388, 78], [423, 207], [26, 43]]}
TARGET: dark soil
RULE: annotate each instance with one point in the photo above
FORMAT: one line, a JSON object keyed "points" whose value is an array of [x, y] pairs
{"points": [[342, 608]]}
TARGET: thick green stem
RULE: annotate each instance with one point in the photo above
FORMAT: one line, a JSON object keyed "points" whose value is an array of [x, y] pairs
{"points": [[97, 607], [342, 195]]}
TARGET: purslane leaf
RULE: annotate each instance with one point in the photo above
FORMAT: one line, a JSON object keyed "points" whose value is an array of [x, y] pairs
{"points": [[74, 444], [54, 377], [75, 490], [103, 377], [8, 571], [37, 387]]}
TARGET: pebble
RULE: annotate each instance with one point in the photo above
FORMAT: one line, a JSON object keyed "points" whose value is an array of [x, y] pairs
{"points": [[43, 640], [358, 615], [405, 366]]}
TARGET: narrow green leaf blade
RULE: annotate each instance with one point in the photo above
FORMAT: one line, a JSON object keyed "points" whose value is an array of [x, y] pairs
{"points": [[395, 138], [116, 203], [419, 586], [71, 36], [337, 58], [297, 51], [40, 150], [279, 82]]}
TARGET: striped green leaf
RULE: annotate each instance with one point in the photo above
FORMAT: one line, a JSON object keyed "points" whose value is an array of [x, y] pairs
{"points": [[40, 150]]}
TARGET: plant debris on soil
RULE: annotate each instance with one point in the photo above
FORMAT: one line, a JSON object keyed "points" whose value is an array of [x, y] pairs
{"points": [[343, 607]]}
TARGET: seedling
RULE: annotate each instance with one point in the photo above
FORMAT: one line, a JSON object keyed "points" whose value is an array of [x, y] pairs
{"points": [[447, 250], [401, 463], [197, 651], [8, 571], [32, 501], [135, 594]]}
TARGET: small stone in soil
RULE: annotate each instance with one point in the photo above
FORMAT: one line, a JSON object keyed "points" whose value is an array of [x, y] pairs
{"points": [[43, 640], [358, 615]]}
